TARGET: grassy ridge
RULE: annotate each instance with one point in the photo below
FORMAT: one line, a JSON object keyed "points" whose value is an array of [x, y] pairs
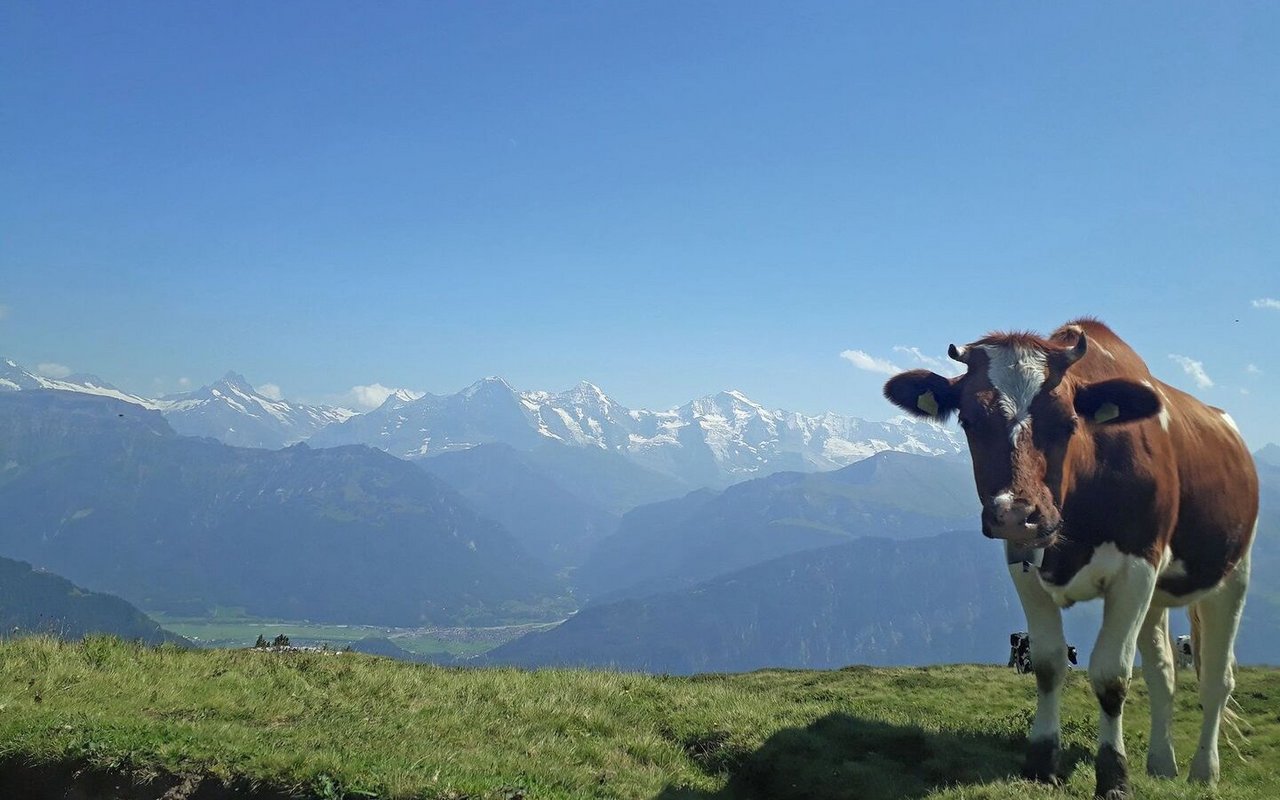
{"points": [[314, 722]]}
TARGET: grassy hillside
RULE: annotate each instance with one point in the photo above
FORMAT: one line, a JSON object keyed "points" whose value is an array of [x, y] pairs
{"points": [[325, 725], [32, 601]]}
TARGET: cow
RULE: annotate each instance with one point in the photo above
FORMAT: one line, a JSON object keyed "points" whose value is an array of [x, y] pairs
{"points": [[1183, 652], [1020, 652], [1104, 482]]}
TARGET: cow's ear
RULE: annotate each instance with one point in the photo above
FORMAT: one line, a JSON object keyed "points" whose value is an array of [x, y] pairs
{"points": [[924, 394], [1115, 401]]}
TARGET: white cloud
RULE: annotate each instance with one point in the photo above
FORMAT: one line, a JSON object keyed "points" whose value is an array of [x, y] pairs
{"points": [[1269, 303], [270, 391], [4, 312], [870, 363], [1253, 369], [51, 370], [184, 383], [371, 396], [1194, 369], [935, 364]]}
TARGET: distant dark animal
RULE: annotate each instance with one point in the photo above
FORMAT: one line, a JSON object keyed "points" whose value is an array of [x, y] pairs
{"points": [[1105, 482], [1020, 652]]}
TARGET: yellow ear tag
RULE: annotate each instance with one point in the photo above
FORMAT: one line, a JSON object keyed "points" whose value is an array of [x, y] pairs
{"points": [[1106, 412], [928, 403]]}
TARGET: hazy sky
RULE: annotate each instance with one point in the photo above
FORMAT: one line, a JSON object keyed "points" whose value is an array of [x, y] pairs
{"points": [[665, 198]]}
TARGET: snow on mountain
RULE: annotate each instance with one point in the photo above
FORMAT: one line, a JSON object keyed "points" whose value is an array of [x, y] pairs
{"points": [[14, 378], [233, 412], [230, 410], [711, 441]]}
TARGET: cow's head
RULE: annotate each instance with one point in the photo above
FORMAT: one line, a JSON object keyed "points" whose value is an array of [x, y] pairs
{"points": [[1023, 413]]}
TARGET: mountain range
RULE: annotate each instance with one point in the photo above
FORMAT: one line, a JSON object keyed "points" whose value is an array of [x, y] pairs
{"points": [[233, 412], [105, 493], [707, 533], [229, 410], [13, 377], [870, 600], [712, 441]]}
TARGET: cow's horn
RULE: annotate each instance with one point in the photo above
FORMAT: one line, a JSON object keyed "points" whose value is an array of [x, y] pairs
{"points": [[960, 353], [1076, 353]]}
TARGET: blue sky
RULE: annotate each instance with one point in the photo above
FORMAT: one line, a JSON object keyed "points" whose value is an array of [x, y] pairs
{"points": [[667, 199]]}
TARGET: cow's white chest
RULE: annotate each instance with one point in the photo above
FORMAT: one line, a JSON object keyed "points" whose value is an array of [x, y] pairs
{"points": [[1093, 578]]}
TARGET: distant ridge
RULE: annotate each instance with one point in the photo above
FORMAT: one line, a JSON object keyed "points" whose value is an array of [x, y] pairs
{"points": [[681, 542], [36, 602], [1268, 454]]}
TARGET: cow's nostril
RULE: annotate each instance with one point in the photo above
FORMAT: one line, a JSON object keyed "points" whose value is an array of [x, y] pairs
{"points": [[1034, 517]]}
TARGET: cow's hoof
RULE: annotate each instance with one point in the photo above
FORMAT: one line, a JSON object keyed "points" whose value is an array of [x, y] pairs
{"points": [[1113, 775], [1204, 768], [1042, 761], [1162, 764]]}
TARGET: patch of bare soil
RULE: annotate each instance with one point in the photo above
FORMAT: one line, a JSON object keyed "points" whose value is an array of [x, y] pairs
{"points": [[22, 780]]}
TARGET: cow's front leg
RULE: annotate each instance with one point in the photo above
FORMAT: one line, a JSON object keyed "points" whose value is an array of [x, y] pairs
{"points": [[1126, 601], [1049, 663]]}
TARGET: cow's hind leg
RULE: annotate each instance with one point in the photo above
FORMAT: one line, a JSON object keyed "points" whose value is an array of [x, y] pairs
{"points": [[1214, 646], [1159, 671], [1049, 663], [1127, 598]]}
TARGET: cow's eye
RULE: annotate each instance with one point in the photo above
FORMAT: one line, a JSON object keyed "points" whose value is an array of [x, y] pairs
{"points": [[1061, 428]]}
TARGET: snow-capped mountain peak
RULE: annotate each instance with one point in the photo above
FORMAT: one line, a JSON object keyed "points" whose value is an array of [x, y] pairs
{"points": [[233, 411], [490, 385], [713, 440], [404, 395], [13, 377], [235, 380]]}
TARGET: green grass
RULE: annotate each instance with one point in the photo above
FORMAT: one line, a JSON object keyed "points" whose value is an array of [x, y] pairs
{"points": [[313, 722]]}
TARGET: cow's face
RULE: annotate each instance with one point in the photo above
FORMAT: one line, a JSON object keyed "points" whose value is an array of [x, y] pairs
{"points": [[1022, 414]]}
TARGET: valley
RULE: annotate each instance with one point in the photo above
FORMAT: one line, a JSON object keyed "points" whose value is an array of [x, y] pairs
{"points": [[232, 628]]}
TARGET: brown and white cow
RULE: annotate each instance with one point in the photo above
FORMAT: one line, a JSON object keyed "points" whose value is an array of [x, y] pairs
{"points": [[1105, 482]]}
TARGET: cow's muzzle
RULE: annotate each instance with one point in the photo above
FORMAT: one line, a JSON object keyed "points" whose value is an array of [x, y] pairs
{"points": [[1020, 522]]}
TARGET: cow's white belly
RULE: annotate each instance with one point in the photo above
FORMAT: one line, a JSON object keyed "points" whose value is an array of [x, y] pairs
{"points": [[1093, 578]]}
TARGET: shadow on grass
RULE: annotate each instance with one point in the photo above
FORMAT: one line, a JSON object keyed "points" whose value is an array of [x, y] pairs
{"points": [[840, 756]]}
